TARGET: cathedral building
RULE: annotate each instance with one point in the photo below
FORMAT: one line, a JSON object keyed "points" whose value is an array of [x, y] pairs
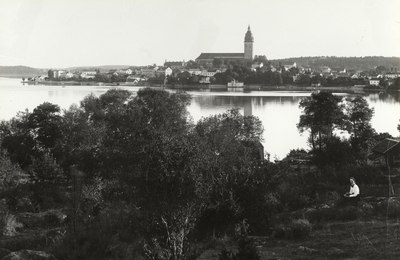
{"points": [[246, 56]]}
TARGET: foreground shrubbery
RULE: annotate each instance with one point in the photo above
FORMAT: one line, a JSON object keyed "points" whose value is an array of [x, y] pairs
{"points": [[137, 179]]}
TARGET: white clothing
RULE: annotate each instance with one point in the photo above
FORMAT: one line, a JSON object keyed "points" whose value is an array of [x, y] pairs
{"points": [[354, 191]]}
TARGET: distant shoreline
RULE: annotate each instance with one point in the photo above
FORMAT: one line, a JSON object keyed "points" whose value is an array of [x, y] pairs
{"points": [[356, 88]]}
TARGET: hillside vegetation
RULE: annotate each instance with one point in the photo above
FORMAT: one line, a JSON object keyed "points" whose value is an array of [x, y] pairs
{"points": [[357, 63], [20, 71]]}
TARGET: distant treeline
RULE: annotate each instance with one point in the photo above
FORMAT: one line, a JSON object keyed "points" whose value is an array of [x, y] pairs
{"points": [[20, 71], [358, 63]]}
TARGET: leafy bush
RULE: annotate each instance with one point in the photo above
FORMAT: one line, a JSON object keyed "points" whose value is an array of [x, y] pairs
{"points": [[9, 224], [11, 175], [301, 228], [296, 229], [113, 234], [246, 247]]}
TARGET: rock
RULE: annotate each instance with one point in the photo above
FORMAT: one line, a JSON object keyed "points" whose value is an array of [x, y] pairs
{"points": [[335, 251], [367, 206], [27, 239], [29, 255], [48, 218], [4, 252], [307, 249]]}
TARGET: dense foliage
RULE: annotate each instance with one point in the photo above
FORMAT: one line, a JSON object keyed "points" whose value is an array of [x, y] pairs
{"points": [[324, 115], [139, 178]]}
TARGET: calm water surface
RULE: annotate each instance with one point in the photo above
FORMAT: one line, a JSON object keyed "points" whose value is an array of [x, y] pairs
{"points": [[278, 110]]}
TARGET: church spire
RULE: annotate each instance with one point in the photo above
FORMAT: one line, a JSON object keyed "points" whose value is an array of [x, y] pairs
{"points": [[249, 36]]}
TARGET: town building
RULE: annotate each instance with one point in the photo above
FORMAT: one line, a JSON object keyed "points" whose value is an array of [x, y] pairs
{"points": [[148, 72], [210, 73], [392, 75], [88, 74], [174, 64], [325, 69], [287, 65], [168, 72], [195, 71], [374, 81], [386, 153], [247, 55]]}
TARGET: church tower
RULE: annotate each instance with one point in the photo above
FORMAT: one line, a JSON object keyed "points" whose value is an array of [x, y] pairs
{"points": [[248, 45]]}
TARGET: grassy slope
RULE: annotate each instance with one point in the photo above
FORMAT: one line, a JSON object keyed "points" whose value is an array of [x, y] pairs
{"points": [[371, 239]]}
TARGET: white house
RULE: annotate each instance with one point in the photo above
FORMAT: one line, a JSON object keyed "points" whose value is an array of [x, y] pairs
{"points": [[195, 71], [374, 81], [288, 65], [133, 78], [257, 65], [393, 75], [325, 69], [57, 73], [204, 80], [168, 72], [88, 74], [210, 73]]}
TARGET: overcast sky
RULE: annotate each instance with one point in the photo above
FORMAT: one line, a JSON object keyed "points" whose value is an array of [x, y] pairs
{"points": [[65, 33]]}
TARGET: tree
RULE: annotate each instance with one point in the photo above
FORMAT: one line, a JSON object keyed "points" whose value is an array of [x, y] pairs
{"points": [[11, 175], [322, 113], [398, 127], [303, 79], [381, 69], [224, 162], [261, 59], [50, 73], [217, 62], [45, 122], [192, 65], [358, 116], [16, 139], [358, 125], [335, 153]]}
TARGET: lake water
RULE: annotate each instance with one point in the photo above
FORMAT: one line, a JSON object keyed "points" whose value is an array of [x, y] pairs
{"points": [[278, 110]]}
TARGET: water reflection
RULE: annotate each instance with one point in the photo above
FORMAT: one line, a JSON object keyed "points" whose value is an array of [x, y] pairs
{"points": [[278, 110]]}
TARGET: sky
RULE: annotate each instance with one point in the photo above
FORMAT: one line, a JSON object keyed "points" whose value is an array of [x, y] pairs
{"points": [[68, 33]]}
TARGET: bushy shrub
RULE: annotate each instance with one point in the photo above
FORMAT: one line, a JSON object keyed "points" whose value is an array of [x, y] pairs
{"points": [[9, 224], [296, 229], [331, 198], [301, 228], [113, 232], [54, 218], [246, 249], [11, 175], [24, 204]]}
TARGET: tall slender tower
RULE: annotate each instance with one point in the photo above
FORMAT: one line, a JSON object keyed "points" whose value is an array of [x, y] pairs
{"points": [[248, 45]]}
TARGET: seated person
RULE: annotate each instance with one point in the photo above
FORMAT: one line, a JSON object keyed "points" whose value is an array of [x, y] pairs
{"points": [[352, 195]]}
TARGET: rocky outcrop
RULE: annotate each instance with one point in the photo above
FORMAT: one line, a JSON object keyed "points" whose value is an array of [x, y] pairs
{"points": [[29, 255], [48, 218]]}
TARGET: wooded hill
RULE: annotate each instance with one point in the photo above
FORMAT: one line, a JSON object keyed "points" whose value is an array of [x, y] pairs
{"points": [[102, 69], [357, 63], [20, 71]]}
